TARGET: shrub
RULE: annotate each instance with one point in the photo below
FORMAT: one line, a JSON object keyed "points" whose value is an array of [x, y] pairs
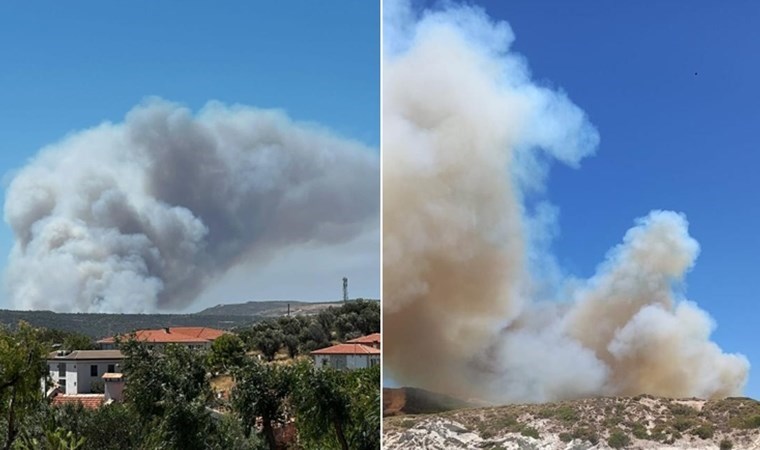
{"points": [[640, 431], [752, 422], [565, 437], [566, 414], [530, 432], [618, 439], [682, 423], [726, 444], [704, 431], [586, 434], [682, 410]]}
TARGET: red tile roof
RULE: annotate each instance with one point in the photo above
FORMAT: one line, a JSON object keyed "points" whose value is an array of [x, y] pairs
{"points": [[368, 339], [89, 401], [174, 335], [347, 349]]}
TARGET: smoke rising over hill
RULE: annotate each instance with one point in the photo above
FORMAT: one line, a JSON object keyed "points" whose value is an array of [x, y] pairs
{"points": [[143, 215], [467, 135]]}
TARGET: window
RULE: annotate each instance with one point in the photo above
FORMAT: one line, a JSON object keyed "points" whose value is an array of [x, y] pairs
{"points": [[61, 370], [339, 361], [93, 371], [111, 368]]}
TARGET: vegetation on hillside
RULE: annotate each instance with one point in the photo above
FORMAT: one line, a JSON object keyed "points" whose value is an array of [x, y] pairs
{"points": [[303, 334], [618, 422]]}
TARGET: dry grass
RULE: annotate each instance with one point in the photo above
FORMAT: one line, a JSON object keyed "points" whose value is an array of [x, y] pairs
{"points": [[222, 383]]}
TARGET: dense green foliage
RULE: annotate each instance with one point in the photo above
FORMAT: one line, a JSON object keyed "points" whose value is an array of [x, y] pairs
{"points": [[302, 334], [169, 402], [21, 369]]}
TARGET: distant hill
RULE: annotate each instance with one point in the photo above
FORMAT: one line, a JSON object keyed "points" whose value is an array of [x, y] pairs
{"points": [[270, 308], [407, 400], [220, 316], [642, 422]]}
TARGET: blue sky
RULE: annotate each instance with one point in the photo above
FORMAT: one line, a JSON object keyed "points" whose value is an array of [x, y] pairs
{"points": [[674, 93], [66, 67]]}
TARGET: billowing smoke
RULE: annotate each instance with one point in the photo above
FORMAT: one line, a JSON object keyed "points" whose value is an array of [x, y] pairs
{"points": [[474, 305], [143, 215]]}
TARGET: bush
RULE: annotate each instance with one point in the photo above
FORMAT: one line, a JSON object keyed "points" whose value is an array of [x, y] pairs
{"points": [[565, 437], [682, 424], [640, 431], [726, 444], [752, 422], [586, 434], [683, 410], [530, 432], [618, 439], [704, 431]]}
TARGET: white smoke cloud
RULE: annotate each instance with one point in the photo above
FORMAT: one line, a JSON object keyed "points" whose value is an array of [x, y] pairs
{"points": [[474, 303], [144, 214]]}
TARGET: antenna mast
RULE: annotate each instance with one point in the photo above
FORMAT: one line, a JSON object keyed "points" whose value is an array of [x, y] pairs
{"points": [[345, 289]]}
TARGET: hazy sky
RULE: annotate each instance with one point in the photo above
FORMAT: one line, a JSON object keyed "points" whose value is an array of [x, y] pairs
{"points": [[673, 90], [66, 68]]}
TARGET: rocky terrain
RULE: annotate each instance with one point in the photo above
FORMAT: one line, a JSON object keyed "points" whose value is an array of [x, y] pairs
{"points": [[642, 422]]}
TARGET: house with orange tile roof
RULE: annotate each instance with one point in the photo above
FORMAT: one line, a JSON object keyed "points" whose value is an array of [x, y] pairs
{"points": [[347, 356], [192, 337], [373, 340]]}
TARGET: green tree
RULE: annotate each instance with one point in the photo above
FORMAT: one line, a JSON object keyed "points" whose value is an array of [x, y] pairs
{"points": [[259, 394], [76, 341], [269, 342], [322, 403], [21, 369], [313, 337], [227, 352], [59, 439], [169, 389], [364, 391], [229, 435]]}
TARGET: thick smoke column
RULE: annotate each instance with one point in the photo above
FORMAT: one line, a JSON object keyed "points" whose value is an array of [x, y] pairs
{"points": [[467, 135], [142, 215]]}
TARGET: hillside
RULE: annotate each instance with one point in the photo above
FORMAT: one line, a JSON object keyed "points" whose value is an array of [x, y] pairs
{"points": [[101, 325], [408, 400], [642, 422], [270, 308]]}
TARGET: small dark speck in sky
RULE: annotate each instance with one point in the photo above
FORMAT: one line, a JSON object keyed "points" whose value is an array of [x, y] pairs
{"points": [[695, 73]]}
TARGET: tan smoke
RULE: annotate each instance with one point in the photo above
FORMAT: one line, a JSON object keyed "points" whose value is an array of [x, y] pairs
{"points": [[466, 135]]}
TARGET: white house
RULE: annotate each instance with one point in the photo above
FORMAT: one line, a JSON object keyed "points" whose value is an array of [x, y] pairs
{"points": [[347, 356], [81, 371]]}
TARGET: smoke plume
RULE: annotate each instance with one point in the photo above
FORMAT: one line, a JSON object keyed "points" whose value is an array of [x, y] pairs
{"points": [[474, 305], [143, 215]]}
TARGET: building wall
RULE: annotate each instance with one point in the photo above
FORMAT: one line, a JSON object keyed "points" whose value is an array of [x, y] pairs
{"points": [[346, 361], [114, 390], [78, 378]]}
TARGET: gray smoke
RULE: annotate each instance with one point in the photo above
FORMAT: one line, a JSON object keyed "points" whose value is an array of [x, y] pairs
{"points": [[474, 304], [144, 214]]}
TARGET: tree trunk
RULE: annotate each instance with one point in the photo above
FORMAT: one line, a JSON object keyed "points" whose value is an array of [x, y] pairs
{"points": [[11, 431], [269, 433], [341, 436]]}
